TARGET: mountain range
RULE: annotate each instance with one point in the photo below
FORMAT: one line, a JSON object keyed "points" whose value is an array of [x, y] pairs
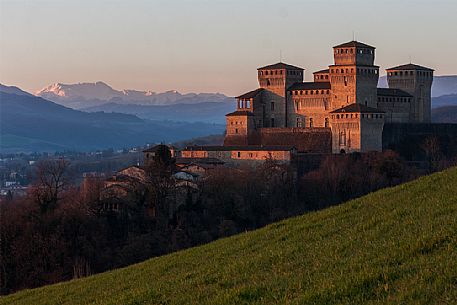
{"points": [[29, 123], [84, 95]]}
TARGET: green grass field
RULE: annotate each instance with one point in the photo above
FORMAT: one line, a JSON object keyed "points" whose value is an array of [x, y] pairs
{"points": [[395, 246]]}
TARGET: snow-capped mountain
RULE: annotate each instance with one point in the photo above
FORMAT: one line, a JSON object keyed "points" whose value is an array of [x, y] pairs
{"points": [[84, 95]]}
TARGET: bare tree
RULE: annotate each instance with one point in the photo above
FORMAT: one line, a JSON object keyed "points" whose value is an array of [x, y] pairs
{"points": [[52, 179]]}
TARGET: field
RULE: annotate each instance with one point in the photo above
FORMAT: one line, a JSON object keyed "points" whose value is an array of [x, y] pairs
{"points": [[395, 246]]}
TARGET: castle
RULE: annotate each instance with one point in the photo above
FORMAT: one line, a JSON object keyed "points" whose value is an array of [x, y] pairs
{"points": [[341, 111]]}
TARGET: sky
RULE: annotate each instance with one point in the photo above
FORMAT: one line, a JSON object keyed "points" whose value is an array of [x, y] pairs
{"points": [[211, 45]]}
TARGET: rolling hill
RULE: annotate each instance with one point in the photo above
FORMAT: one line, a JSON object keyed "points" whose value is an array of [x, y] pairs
{"points": [[445, 114], [210, 112], [394, 246], [30, 123]]}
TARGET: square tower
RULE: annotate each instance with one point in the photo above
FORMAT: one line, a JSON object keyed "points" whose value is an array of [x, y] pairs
{"points": [[357, 128], [275, 80], [417, 81], [354, 77]]}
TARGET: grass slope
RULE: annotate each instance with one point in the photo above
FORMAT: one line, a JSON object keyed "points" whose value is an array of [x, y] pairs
{"points": [[395, 246]]}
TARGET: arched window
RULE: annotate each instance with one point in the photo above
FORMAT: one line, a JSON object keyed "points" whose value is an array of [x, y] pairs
{"points": [[326, 124]]}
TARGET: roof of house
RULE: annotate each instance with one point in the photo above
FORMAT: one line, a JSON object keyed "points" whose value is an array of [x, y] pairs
{"points": [[322, 71], [251, 94], [354, 44], [280, 65], [310, 86], [241, 148], [393, 92], [240, 112], [357, 108], [410, 67]]}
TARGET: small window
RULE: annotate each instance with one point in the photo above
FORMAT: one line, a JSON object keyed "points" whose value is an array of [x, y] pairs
{"points": [[311, 123], [272, 122], [272, 106], [239, 154]]}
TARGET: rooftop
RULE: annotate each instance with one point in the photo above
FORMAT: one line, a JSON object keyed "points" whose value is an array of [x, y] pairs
{"points": [[357, 108], [280, 65], [242, 148], [240, 112], [410, 67], [353, 44], [310, 86], [322, 71], [250, 94], [393, 92]]}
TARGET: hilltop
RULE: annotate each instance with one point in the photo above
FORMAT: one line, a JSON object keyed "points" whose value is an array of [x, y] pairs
{"points": [[394, 246]]}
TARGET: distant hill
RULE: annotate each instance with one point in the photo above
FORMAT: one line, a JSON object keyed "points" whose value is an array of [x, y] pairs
{"points": [[84, 95], [444, 100], [446, 114], [212, 112], [30, 123], [442, 85], [13, 90], [394, 246]]}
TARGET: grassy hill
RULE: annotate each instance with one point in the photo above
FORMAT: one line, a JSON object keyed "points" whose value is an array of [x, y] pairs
{"points": [[395, 246]]}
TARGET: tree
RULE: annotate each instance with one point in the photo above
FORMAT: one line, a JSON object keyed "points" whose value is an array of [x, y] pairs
{"points": [[52, 179]]}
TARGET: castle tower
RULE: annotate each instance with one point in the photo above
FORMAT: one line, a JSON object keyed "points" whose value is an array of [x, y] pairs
{"points": [[353, 77], [275, 80], [356, 128], [417, 81]]}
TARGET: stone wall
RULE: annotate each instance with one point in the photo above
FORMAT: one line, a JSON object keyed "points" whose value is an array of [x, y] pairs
{"points": [[315, 140]]}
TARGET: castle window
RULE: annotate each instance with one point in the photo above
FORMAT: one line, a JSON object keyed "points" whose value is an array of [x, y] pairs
{"points": [[272, 122], [272, 106], [306, 92], [326, 122], [248, 104], [298, 122], [342, 70], [266, 72], [239, 154], [311, 123], [276, 72], [342, 138], [328, 91], [301, 92], [337, 116], [326, 76], [280, 72], [236, 130]]}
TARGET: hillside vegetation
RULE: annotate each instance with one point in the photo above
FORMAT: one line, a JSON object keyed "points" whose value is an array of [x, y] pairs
{"points": [[395, 246]]}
